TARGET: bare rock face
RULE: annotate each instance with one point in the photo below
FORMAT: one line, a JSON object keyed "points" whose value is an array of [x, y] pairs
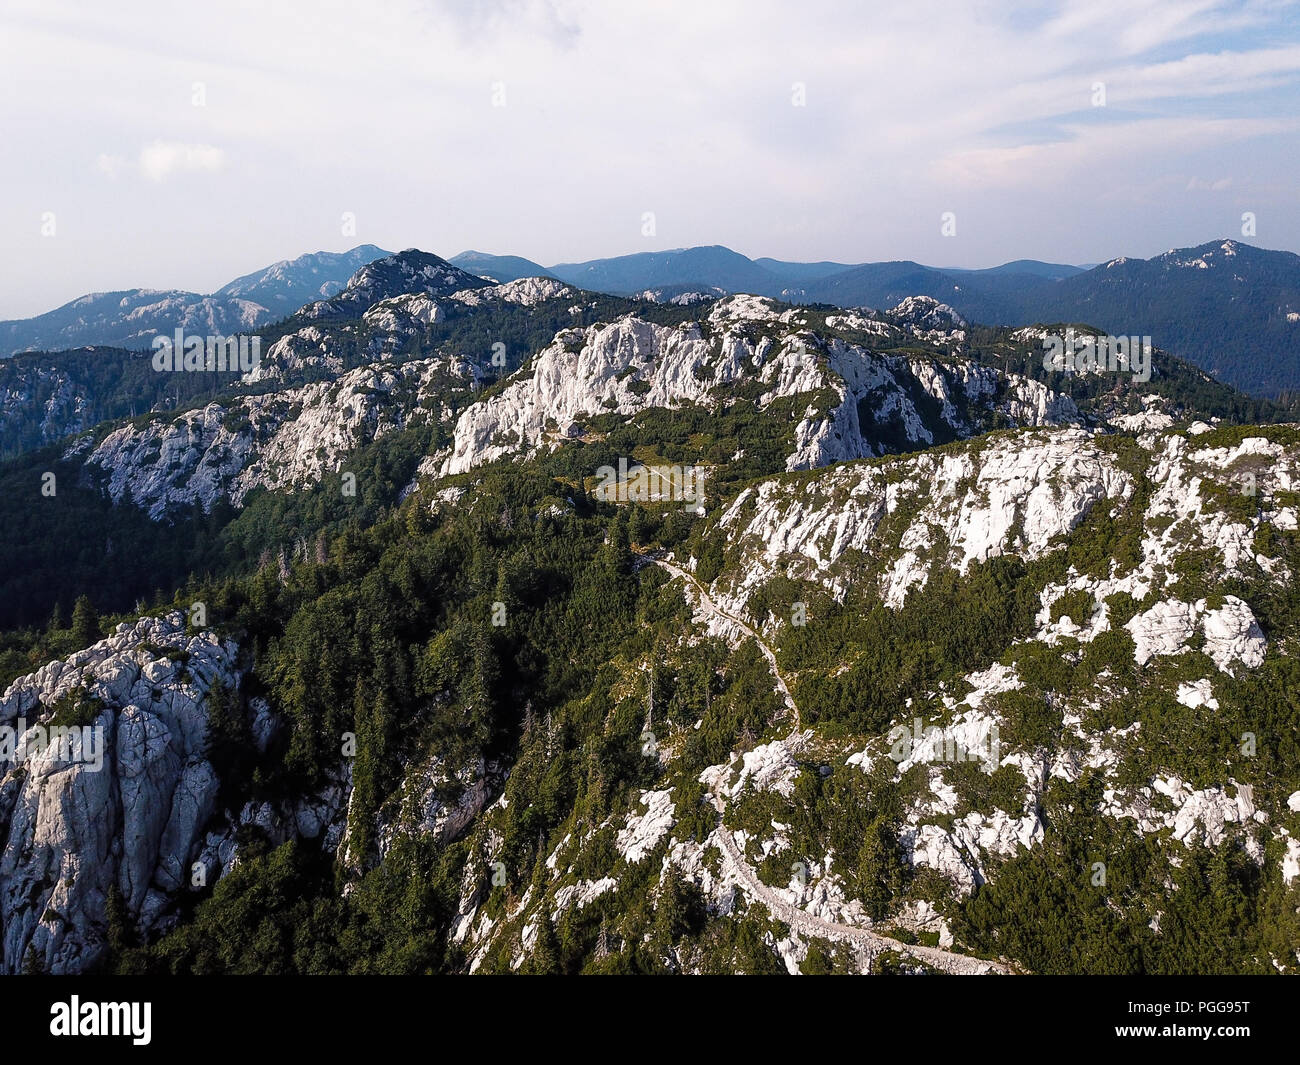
{"points": [[903, 520], [438, 801], [1232, 635], [631, 365], [129, 803], [526, 291], [280, 441], [1010, 496], [121, 805], [65, 408]]}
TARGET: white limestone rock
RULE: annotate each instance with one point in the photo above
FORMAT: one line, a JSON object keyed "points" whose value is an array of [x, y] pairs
{"points": [[526, 291], [770, 767], [1291, 861], [1003, 495], [644, 831], [281, 440], [1232, 635], [70, 832]]}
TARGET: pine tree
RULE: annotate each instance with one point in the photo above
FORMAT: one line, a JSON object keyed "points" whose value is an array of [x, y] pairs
{"points": [[602, 941], [85, 623], [637, 529], [546, 950], [119, 932], [677, 908], [880, 869], [618, 552], [650, 704], [501, 593]]}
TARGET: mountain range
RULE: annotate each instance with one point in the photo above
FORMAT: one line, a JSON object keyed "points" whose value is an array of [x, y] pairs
{"points": [[131, 318], [1228, 307], [387, 681]]}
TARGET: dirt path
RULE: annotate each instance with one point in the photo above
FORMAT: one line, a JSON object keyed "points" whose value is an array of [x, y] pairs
{"points": [[710, 607], [799, 919]]}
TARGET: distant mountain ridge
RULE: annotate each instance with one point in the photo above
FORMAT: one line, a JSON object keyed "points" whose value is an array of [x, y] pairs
{"points": [[1051, 271], [713, 266], [1230, 308], [285, 286], [131, 318], [500, 268], [718, 267]]}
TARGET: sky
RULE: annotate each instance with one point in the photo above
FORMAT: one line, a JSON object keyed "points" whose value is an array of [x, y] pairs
{"points": [[179, 146]]}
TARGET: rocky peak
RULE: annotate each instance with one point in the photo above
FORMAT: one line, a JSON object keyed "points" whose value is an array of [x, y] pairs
{"points": [[408, 272], [925, 313]]}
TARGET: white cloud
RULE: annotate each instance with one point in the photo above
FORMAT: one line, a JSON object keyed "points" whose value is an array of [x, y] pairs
{"points": [[1100, 150], [161, 159]]}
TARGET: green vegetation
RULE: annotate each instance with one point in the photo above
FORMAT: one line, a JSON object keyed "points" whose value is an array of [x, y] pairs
{"points": [[1085, 900], [373, 620]]}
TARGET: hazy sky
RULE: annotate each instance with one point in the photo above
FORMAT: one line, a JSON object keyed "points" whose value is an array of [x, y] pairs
{"points": [[685, 108]]}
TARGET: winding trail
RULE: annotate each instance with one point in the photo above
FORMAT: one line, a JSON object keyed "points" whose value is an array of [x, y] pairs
{"points": [[796, 917], [710, 607]]}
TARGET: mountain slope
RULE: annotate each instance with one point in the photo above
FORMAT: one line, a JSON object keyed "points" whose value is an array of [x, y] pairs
{"points": [[408, 273], [500, 268], [1225, 306], [794, 272], [705, 267], [1229, 308], [131, 318], [1109, 610], [1033, 267], [287, 285]]}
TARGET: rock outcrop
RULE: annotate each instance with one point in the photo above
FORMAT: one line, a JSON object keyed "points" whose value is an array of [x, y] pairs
{"points": [[72, 831]]}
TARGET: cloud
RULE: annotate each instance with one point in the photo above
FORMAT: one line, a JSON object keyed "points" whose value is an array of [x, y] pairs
{"points": [[161, 159], [682, 107], [546, 19], [1096, 150]]}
